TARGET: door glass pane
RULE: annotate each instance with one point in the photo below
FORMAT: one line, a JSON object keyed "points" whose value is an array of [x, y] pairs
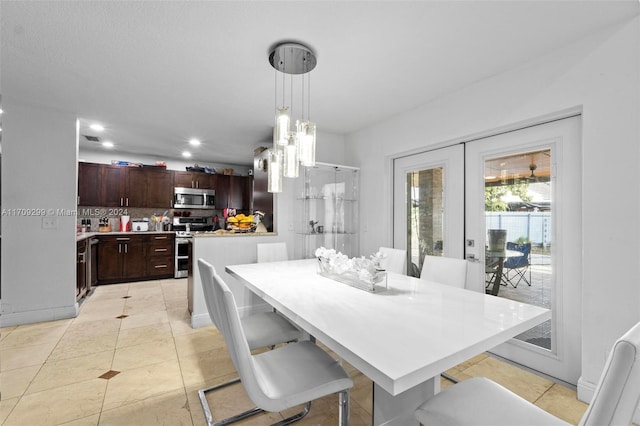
{"points": [[425, 211], [518, 201]]}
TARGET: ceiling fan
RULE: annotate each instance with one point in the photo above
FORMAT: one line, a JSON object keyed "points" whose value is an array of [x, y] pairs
{"points": [[532, 176]]}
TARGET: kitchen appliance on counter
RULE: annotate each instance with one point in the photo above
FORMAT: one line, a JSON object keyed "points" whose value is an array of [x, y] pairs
{"points": [[193, 198], [184, 226], [140, 225]]}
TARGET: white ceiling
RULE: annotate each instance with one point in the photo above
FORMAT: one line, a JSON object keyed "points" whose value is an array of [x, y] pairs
{"points": [[158, 73]]}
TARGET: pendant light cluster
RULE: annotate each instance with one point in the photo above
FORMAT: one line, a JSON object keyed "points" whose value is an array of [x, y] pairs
{"points": [[294, 142]]}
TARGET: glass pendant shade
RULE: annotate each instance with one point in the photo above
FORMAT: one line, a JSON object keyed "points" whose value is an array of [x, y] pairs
{"points": [[291, 163], [274, 171], [307, 141], [281, 132]]}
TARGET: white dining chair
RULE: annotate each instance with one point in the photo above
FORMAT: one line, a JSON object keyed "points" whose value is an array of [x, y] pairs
{"points": [[272, 252], [394, 260], [264, 329], [283, 378], [445, 270], [480, 401]]}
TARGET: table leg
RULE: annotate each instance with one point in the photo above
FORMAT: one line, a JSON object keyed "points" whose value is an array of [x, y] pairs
{"points": [[497, 278], [398, 410]]}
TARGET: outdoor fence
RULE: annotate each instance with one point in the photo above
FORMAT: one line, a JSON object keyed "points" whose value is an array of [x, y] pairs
{"points": [[535, 227]]}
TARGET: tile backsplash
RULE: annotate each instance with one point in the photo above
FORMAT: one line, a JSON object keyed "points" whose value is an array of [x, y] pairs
{"points": [[114, 213]]}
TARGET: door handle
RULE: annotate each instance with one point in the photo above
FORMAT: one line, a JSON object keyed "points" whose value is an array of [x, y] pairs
{"points": [[472, 258]]}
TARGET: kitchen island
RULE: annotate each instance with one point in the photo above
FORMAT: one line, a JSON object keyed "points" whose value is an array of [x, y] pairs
{"points": [[221, 250]]}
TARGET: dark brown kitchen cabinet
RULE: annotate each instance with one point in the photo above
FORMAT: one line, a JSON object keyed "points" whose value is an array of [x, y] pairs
{"points": [[121, 258], [107, 185], [82, 284], [89, 184], [160, 252], [149, 187], [240, 192], [135, 257], [222, 191], [234, 192], [113, 188], [194, 180]]}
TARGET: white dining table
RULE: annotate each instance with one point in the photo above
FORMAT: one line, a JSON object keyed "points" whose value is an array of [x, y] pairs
{"points": [[401, 338]]}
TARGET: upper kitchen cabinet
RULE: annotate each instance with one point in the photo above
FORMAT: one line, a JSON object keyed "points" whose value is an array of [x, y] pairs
{"points": [[198, 180], [89, 184], [241, 192], [234, 192], [117, 186], [149, 187]]}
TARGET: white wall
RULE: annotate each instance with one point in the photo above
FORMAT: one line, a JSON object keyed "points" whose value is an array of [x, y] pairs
{"points": [[39, 172], [601, 75]]}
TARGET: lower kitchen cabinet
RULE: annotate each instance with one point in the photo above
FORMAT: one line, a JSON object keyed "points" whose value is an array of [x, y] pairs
{"points": [[135, 257], [160, 252]]}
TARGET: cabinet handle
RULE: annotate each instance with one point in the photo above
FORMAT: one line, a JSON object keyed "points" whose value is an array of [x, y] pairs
{"points": [[127, 201], [160, 266], [123, 239], [161, 238], [81, 255], [161, 249], [193, 185], [121, 202], [119, 248], [126, 248]]}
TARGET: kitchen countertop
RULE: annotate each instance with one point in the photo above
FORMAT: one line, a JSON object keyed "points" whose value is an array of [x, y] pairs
{"points": [[85, 235], [235, 234]]}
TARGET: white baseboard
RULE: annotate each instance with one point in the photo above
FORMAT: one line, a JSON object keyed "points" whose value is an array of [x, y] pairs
{"points": [[43, 315], [585, 390]]}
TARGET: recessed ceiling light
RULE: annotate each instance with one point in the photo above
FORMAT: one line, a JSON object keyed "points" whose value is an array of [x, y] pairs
{"points": [[194, 142], [1, 111], [97, 127], [186, 154], [107, 144]]}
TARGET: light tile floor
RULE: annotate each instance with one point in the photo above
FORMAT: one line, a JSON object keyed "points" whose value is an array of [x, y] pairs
{"points": [[131, 358]]}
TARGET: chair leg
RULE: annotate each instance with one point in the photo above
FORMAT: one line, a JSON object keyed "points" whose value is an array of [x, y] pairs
{"points": [[207, 411], [295, 417], [343, 408], [245, 414]]}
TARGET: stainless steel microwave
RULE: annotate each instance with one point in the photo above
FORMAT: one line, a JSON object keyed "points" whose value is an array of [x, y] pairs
{"points": [[192, 198]]}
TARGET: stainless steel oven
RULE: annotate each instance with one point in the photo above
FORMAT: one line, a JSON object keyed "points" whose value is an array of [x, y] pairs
{"points": [[184, 226]]}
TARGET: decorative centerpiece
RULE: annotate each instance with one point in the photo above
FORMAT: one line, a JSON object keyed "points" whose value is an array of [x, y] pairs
{"points": [[358, 272]]}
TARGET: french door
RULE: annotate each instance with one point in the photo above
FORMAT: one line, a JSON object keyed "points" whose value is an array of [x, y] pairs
{"points": [[526, 183], [429, 205]]}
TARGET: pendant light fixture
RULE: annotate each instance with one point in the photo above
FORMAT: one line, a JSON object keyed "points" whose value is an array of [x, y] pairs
{"points": [[292, 146]]}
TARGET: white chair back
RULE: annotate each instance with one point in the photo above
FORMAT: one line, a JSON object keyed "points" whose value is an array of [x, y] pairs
{"points": [[445, 270], [394, 260], [618, 392], [272, 252], [206, 276]]}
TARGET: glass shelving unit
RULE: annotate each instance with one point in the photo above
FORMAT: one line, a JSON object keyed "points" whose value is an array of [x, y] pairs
{"points": [[327, 210]]}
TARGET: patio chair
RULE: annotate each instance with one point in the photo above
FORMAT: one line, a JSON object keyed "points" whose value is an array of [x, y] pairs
{"points": [[480, 401], [515, 269]]}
